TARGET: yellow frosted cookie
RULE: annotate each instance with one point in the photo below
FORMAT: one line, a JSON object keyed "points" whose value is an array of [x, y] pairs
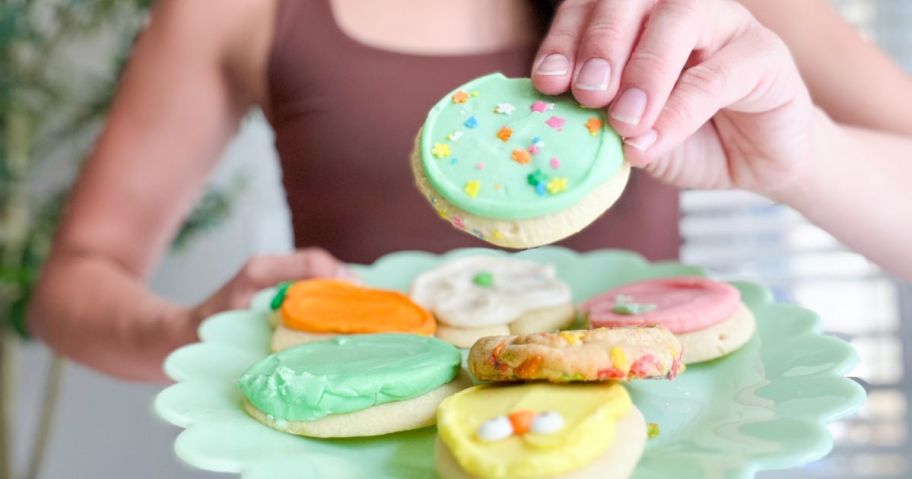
{"points": [[539, 430]]}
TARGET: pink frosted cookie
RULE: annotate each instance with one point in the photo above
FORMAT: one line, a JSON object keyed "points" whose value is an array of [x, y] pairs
{"points": [[707, 316]]}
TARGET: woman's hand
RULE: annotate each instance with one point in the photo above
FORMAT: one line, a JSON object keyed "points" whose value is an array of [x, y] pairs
{"points": [[704, 95], [266, 271]]}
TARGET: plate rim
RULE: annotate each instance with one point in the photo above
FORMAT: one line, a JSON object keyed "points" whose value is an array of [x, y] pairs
{"points": [[854, 394]]}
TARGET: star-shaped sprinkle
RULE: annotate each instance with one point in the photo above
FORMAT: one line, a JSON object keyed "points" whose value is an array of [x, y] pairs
{"points": [[455, 136], [625, 305], [533, 148], [594, 125], [472, 187], [555, 162], [504, 133], [541, 107], [536, 177], [557, 185], [521, 156], [504, 109], [632, 309], [556, 122], [441, 150], [472, 122], [460, 97]]}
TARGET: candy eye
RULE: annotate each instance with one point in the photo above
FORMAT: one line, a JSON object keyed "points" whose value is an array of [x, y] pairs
{"points": [[495, 429], [547, 422], [520, 423]]}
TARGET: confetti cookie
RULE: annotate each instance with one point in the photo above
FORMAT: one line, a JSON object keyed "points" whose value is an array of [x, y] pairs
{"points": [[360, 385], [707, 316], [318, 309], [478, 296], [587, 355], [539, 430], [516, 168]]}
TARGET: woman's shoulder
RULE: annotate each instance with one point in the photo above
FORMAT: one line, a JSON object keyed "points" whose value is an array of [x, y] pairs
{"points": [[233, 35]]}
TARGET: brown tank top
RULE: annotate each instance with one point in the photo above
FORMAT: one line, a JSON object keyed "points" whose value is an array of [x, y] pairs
{"points": [[345, 117]]}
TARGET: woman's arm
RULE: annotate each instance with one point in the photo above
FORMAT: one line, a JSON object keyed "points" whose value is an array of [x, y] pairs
{"points": [[705, 96], [179, 102], [171, 117], [857, 188], [855, 82]]}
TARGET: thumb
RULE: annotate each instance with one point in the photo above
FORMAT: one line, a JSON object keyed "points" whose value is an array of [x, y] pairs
{"points": [[265, 271]]}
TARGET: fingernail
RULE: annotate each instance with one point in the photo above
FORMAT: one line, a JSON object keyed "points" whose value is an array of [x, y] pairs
{"points": [[344, 273], [644, 141], [630, 106], [554, 64], [594, 75]]}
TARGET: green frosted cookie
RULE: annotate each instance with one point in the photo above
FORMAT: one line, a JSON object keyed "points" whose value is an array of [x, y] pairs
{"points": [[505, 163], [358, 385]]}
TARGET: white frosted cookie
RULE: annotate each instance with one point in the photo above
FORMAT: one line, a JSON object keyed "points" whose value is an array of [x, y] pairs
{"points": [[706, 316], [477, 296], [544, 320]]}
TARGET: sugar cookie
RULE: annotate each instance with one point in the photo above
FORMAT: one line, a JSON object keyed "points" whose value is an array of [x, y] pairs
{"points": [[358, 385], [318, 309], [587, 355], [477, 296], [707, 316], [573, 431], [516, 168]]}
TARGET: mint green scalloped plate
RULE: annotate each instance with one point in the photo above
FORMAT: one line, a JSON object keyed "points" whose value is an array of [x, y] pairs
{"points": [[763, 407]]}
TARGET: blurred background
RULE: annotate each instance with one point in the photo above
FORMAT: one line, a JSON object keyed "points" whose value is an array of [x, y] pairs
{"points": [[57, 73]]}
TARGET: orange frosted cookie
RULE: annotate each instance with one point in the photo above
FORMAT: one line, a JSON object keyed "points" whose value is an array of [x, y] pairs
{"points": [[317, 309]]}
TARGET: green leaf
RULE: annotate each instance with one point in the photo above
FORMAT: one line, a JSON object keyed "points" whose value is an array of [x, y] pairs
{"points": [[211, 211], [18, 315]]}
